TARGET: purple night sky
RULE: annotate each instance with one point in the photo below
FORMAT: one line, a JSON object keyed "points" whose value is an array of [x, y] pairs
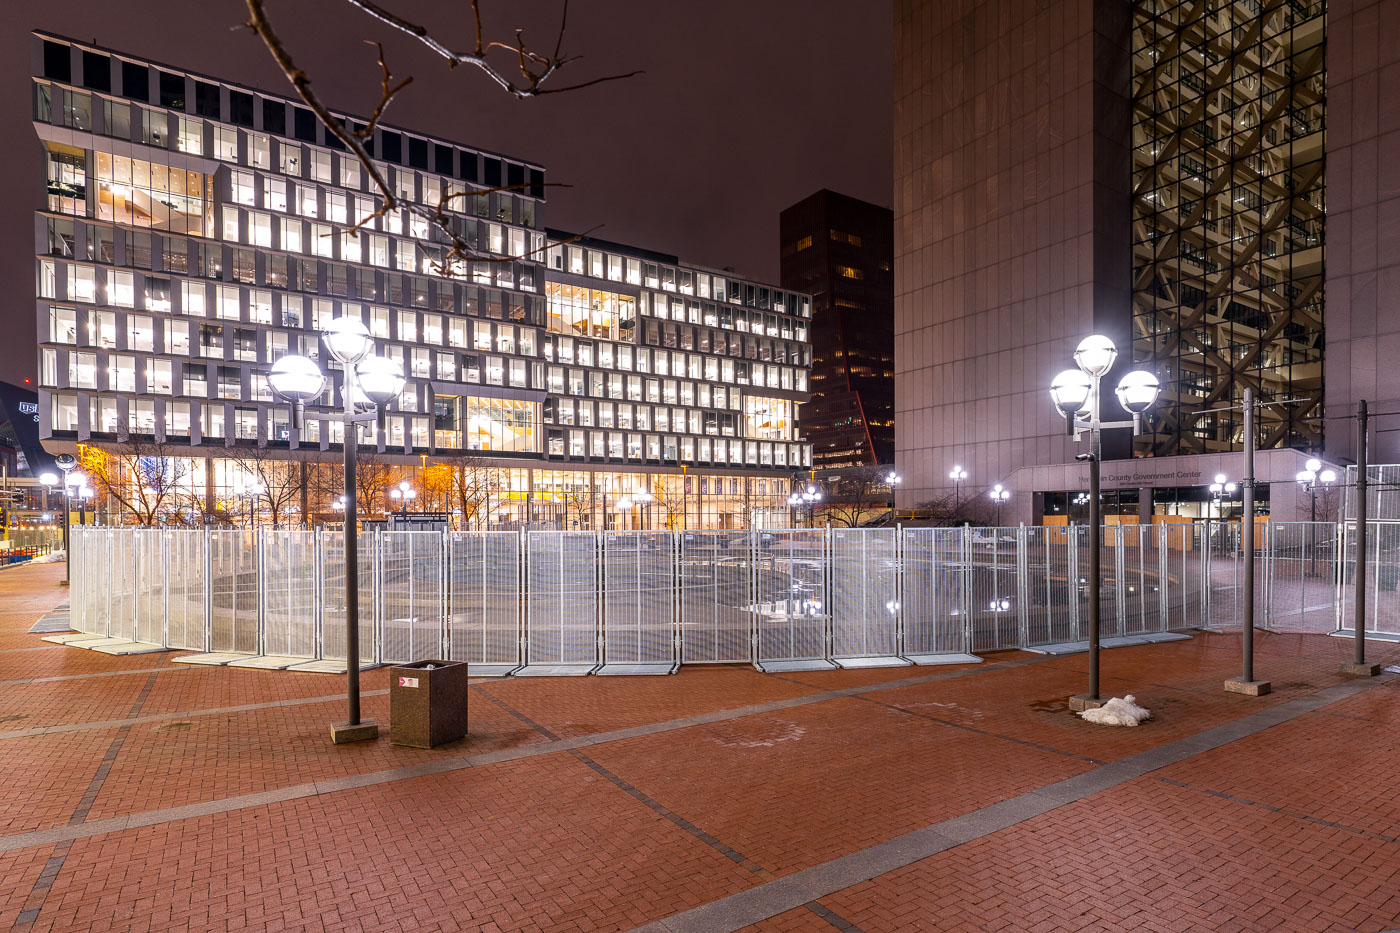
{"points": [[745, 108]]}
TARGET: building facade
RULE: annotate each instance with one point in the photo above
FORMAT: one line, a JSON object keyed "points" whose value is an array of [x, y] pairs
{"points": [[1156, 171], [840, 250], [196, 230]]}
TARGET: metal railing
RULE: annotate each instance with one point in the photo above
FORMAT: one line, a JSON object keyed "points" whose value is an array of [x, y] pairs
{"points": [[535, 602]]}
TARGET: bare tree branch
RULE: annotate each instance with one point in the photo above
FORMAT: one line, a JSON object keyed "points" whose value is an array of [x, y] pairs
{"points": [[535, 70], [532, 79]]}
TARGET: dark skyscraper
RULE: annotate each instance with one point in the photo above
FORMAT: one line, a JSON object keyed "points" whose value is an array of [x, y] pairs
{"points": [[841, 250]]}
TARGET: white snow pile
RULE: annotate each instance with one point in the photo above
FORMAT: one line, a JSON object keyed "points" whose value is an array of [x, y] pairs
{"points": [[1116, 712]]}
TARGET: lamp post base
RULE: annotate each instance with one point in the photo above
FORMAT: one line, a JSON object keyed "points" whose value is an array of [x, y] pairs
{"points": [[1364, 669], [342, 733], [1249, 688], [1082, 701]]}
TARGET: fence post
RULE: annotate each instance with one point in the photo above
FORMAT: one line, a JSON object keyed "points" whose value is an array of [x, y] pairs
{"points": [[1164, 603], [522, 602], [965, 568], [165, 588], [899, 639], [260, 591], [1022, 589], [318, 595], [1072, 578], [207, 588], [444, 591]]}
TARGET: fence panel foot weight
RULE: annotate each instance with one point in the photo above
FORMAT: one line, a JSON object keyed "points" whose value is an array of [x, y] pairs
{"points": [[1363, 669], [342, 733], [1249, 688], [1082, 701]]}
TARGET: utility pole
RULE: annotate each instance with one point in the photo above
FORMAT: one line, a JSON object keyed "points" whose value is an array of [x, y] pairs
{"points": [[1358, 665], [1246, 684]]}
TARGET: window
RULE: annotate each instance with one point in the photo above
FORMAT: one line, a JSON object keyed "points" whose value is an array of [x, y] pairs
{"points": [[291, 235], [191, 138], [320, 165], [158, 377], [335, 206], [67, 179], [225, 144], [260, 229], [241, 187], [321, 244], [121, 373], [139, 332], [81, 283], [349, 173], [275, 194], [306, 201], [82, 370], [145, 194], [291, 160], [228, 303], [177, 337]]}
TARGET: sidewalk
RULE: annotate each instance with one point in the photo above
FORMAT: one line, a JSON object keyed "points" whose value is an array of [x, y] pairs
{"points": [[146, 795]]}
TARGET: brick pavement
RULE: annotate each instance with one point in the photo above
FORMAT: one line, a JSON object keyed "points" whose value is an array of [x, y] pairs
{"points": [[722, 781]]}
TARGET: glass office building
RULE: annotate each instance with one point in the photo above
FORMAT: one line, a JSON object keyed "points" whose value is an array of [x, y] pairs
{"points": [[195, 230]]}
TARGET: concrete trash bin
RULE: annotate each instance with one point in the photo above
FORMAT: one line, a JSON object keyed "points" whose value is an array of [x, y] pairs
{"points": [[427, 703]]}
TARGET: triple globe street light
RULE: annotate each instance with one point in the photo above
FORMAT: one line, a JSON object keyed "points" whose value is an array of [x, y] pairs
{"points": [[368, 384], [1309, 477], [1076, 394], [809, 497]]}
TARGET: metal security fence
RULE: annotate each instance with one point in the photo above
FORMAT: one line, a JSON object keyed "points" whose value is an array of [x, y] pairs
{"points": [[564, 602]]}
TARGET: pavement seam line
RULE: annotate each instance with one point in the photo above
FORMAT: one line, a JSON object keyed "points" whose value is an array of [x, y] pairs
{"points": [[162, 717], [636, 793], [24, 840], [38, 895], [1370, 834], [768, 899]]}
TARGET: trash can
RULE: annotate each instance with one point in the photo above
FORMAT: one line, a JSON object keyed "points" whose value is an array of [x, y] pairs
{"points": [[427, 703]]}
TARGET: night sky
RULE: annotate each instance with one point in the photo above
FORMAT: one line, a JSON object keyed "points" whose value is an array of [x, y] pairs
{"points": [[746, 106]]}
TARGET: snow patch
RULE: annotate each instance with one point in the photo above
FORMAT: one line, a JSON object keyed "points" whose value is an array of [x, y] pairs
{"points": [[1116, 712], [779, 731]]}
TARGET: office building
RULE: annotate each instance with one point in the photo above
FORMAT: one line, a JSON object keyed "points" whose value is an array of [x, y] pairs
{"points": [[840, 250], [1170, 174], [196, 230]]}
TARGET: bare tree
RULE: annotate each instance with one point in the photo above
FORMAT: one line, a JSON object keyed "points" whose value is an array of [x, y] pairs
{"points": [[855, 493], [464, 481], [537, 72], [951, 510], [372, 481], [279, 479], [149, 481]]}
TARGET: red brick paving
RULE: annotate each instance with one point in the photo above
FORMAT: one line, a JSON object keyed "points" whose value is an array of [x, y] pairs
{"points": [[546, 843]]}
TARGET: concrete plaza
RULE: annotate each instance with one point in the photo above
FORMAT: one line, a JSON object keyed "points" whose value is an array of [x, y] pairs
{"points": [[145, 795]]}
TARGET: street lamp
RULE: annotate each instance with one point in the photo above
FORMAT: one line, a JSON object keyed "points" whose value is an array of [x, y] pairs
{"points": [[250, 490], [1076, 391], [366, 380], [957, 475], [1308, 478], [1219, 489], [402, 494], [811, 495], [999, 495]]}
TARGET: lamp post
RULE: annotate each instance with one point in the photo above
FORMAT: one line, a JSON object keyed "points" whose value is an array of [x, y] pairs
{"points": [[1076, 391], [1219, 489], [999, 495], [957, 475], [1312, 474], [402, 494], [811, 495], [84, 494], [368, 381], [250, 491]]}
